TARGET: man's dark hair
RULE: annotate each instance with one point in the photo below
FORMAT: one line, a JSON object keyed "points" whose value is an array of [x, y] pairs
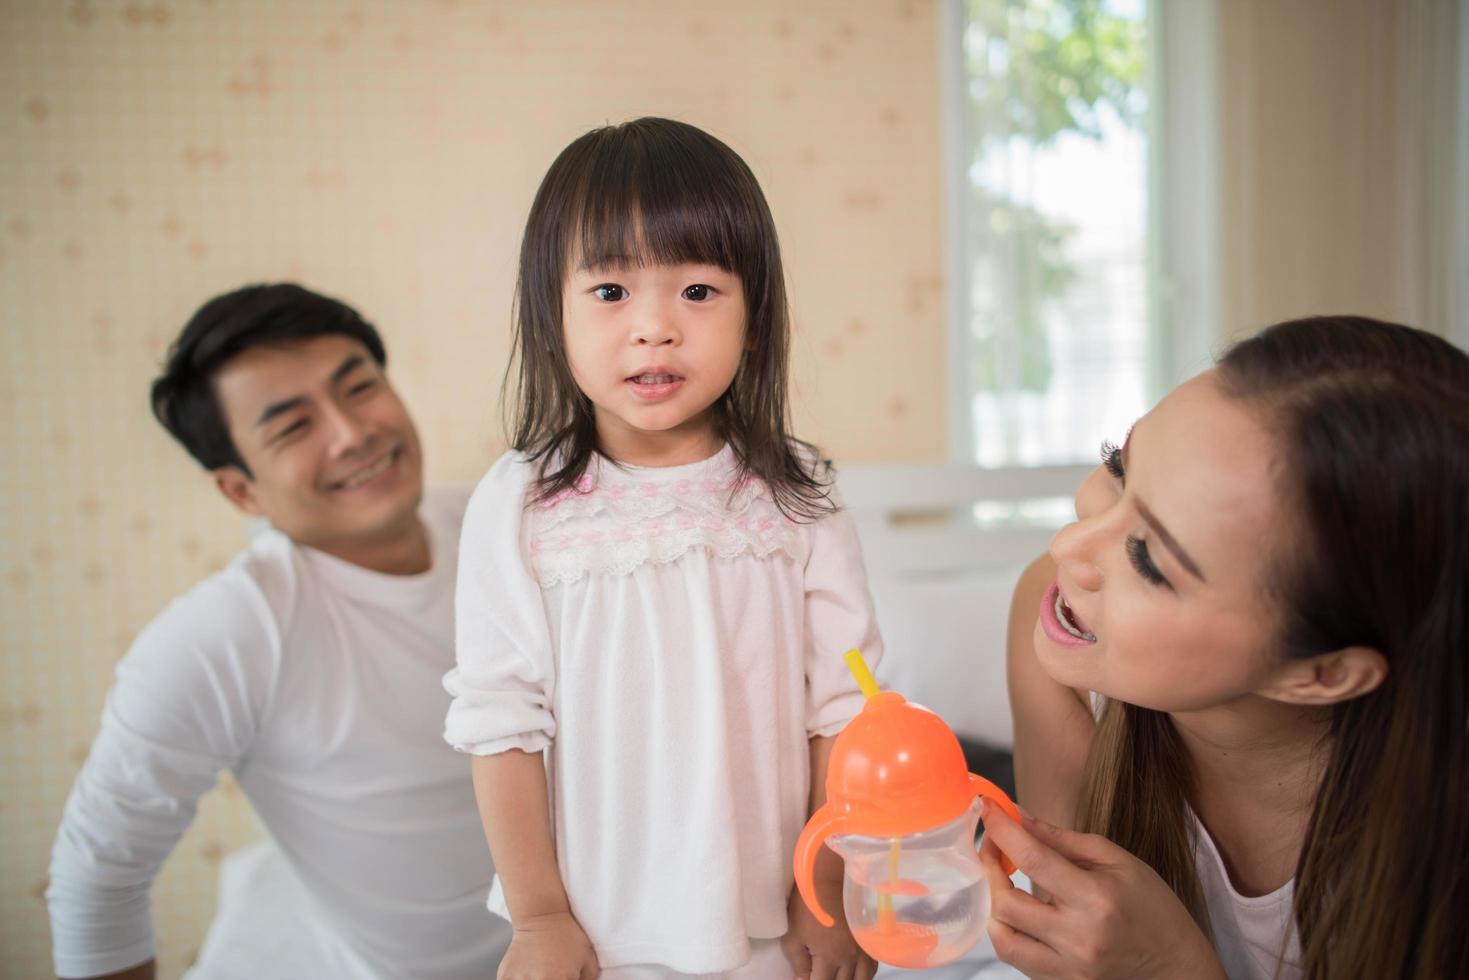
{"points": [[183, 396]]}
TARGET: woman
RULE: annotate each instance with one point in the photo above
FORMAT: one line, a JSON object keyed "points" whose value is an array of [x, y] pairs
{"points": [[1247, 685]]}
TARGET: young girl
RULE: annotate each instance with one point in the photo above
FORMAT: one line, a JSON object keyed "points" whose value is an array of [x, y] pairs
{"points": [[1265, 602], [656, 585]]}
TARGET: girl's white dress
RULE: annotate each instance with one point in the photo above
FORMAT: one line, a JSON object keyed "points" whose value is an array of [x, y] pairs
{"points": [[674, 640]]}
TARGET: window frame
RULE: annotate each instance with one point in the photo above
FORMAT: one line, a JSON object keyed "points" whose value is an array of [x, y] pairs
{"points": [[1184, 246]]}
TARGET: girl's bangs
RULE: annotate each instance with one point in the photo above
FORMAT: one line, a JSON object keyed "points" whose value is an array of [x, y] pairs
{"points": [[635, 210]]}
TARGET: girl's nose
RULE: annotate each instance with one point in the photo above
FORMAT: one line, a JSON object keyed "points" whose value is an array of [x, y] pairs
{"points": [[654, 327], [652, 333]]}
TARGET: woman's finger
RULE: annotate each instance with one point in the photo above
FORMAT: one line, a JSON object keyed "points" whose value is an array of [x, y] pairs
{"points": [[1081, 849], [989, 860], [1016, 907], [1053, 872], [1026, 953]]}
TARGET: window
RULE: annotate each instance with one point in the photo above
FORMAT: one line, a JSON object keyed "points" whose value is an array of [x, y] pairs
{"points": [[1057, 338]]}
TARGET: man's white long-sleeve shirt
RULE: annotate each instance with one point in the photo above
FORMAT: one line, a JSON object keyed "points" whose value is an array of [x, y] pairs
{"points": [[317, 684]]}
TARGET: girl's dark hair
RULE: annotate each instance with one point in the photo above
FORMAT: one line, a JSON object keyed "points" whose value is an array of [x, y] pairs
{"points": [[656, 191], [183, 396], [1373, 422]]}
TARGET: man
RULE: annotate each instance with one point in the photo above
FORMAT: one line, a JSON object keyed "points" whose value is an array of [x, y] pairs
{"points": [[310, 668]]}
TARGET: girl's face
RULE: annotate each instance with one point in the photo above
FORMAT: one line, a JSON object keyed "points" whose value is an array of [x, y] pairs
{"points": [[1162, 596], [654, 347]]}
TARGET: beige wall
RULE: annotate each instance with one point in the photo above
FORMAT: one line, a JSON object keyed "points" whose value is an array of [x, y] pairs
{"points": [[1333, 133], [155, 153]]}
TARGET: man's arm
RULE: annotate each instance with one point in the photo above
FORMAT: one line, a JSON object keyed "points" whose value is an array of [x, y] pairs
{"points": [[182, 708]]}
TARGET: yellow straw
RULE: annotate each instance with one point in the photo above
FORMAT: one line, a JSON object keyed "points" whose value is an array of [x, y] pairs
{"points": [[886, 915], [859, 670]]}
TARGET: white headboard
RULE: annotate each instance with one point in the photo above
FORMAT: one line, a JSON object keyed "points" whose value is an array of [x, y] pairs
{"points": [[942, 581]]}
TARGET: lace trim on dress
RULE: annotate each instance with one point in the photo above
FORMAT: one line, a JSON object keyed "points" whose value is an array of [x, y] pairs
{"points": [[616, 527]]}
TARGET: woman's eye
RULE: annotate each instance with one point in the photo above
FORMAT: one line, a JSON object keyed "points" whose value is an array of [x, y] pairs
{"points": [[697, 292], [1137, 553], [1112, 460], [609, 292]]}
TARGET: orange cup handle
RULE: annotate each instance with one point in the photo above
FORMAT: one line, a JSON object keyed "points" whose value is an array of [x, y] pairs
{"points": [[983, 787], [823, 823]]}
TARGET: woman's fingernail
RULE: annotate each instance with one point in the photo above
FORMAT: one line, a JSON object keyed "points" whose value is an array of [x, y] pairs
{"points": [[984, 808]]}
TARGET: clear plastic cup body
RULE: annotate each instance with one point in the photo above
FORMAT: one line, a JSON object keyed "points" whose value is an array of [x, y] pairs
{"points": [[919, 900]]}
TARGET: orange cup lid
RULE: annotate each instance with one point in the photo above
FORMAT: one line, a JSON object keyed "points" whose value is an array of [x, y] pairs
{"points": [[896, 769]]}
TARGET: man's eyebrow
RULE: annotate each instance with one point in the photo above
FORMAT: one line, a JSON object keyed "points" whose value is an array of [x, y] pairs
{"points": [[277, 408], [352, 363], [1169, 541], [349, 364]]}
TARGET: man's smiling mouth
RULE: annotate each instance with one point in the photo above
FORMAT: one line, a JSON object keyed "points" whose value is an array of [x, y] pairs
{"points": [[358, 477]]}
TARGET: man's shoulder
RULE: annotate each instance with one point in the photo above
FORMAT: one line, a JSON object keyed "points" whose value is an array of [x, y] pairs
{"points": [[444, 504], [238, 609]]}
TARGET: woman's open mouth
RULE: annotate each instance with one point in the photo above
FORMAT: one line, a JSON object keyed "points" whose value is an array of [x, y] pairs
{"points": [[1060, 621]]}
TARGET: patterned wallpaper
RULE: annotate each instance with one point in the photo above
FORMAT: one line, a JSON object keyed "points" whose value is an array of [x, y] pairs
{"points": [[153, 154]]}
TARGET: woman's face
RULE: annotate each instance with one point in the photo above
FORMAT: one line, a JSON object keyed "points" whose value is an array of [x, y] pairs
{"points": [[1162, 596]]}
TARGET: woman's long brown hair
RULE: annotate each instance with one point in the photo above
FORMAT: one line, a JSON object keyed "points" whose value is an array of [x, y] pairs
{"points": [[656, 191], [1373, 422]]}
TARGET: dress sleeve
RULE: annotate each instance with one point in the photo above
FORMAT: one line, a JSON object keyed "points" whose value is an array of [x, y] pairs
{"points": [[503, 682], [839, 616], [184, 706]]}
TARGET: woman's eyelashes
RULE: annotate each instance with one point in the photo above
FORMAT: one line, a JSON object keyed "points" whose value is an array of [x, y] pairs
{"points": [[1137, 553], [1137, 548]]}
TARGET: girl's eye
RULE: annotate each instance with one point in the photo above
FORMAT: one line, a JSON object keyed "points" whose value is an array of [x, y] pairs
{"points": [[697, 292], [1112, 460], [609, 292], [1137, 553]]}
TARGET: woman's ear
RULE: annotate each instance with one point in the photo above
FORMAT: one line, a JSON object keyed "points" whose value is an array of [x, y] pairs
{"points": [[238, 489], [1328, 678]]}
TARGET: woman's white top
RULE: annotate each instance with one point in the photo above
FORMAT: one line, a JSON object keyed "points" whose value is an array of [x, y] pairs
{"points": [[675, 641], [1250, 933]]}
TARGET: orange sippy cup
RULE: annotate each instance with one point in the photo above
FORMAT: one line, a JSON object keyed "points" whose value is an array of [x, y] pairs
{"points": [[901, 809]]}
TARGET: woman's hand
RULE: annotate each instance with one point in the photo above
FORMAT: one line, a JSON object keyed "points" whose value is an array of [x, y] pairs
{"points": [[819, 952], [549, 947], [1109, 914]]}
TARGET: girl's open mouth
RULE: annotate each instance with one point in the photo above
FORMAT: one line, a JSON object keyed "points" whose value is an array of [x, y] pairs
{"points": [[655, 385]]}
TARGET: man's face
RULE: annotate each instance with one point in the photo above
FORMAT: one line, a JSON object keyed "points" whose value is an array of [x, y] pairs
{"points": [[334, 460]]}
